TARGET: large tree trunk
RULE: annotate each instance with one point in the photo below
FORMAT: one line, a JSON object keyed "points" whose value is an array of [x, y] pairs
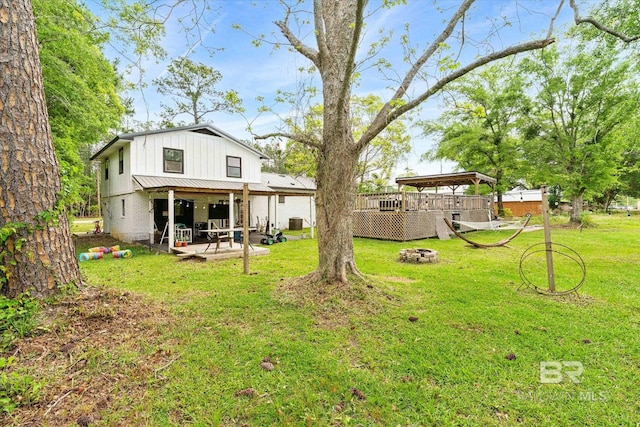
{"points": [[335, 198], [39, 256], [576, 209], [337, 159]]}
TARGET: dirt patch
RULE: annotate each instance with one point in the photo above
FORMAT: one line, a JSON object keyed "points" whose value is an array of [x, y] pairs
{"points": [[95, 352], [334, 304]]}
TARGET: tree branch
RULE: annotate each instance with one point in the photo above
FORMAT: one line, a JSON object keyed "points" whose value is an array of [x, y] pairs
{"points": [[383, 114], [297, 43], [351, 64], [382, 121], [301, 138], [598, 25]]}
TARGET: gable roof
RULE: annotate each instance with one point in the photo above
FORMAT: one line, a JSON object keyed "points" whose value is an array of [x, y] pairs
{"points": [[206, 129]]}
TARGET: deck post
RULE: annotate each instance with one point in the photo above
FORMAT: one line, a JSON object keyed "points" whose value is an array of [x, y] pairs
{"points": [[245, 227]]}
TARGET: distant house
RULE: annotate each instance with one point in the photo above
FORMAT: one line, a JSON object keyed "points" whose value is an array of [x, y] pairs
{"points": [[522, 202], [192, 177]]}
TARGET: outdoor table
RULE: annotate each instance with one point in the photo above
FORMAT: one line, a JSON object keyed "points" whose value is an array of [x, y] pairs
{"points": [[215, 235]]}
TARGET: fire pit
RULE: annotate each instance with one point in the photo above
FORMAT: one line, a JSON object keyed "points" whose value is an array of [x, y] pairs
{"points": [[419, 255]]}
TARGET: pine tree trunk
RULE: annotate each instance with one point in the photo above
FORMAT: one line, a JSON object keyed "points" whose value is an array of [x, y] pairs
{"points": [[29, 176]]}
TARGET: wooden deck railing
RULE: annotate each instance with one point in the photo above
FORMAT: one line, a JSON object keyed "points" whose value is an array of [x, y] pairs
{"points": [[414, 201]]}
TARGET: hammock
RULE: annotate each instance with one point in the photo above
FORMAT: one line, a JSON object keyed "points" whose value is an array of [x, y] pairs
{"points": [[491, 225]]}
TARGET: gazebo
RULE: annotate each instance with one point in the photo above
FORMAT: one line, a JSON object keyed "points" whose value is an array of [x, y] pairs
{"points": [[450, 180]]}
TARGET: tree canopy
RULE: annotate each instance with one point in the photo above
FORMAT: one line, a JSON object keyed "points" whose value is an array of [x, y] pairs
{"points": [[81, 86], [191, 87], [479, 127], [581, 98]]}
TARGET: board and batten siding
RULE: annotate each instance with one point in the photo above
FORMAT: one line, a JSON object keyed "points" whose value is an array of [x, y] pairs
{"points": [[205, 156], [117, 183]]}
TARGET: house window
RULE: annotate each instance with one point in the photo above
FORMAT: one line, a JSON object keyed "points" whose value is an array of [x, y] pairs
{"points": [[121, 161], [106, 170], [123, 211], [173, 160], [280, 198], [234, 167]]}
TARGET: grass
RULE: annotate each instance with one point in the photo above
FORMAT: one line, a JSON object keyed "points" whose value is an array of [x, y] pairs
{"points": [[357, 359], [83, 225]]}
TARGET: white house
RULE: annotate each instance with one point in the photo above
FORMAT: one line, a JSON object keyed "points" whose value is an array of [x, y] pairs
{"points": [[155, 182], [293, 204]]}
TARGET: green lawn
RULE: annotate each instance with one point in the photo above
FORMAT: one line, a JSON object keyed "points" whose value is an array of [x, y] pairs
{"points": [[447, 368]]}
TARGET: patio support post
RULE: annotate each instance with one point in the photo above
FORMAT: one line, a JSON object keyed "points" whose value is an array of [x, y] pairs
{"points": [[266, 228], [152, 223], [232, 221], [311, 220], [275, 211], [172, 226], [245, 227]]}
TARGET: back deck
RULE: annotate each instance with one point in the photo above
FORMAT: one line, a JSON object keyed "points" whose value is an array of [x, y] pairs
{"points": [[414, 215]]}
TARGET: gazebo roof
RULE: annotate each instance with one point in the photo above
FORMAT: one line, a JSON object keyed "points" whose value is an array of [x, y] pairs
{"points": [[452, 180]]}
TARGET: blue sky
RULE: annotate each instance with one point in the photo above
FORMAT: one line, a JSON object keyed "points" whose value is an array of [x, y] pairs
{"points": [[262, 71]]}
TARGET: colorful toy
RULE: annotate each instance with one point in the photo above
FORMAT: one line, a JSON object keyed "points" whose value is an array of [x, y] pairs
{"points": [[86, 256], [104, 249], [123, 254]]}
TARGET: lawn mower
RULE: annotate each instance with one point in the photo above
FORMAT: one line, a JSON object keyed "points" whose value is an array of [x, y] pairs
{"points": [[276, 237]]}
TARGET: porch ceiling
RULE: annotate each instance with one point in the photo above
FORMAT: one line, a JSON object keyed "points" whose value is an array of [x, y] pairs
{"points": [[160, 183]]}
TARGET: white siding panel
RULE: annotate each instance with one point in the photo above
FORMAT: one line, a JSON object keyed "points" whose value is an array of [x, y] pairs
{"points": [[205, 156]]}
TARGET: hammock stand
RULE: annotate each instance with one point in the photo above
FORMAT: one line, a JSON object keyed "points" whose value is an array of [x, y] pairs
{"points": [[502, 242]]}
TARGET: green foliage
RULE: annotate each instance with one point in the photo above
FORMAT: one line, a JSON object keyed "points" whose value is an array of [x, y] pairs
{"points": [[17, 319], [191, 86], [377, 160], [478, 130], [15, 388], [586, 219], [81, 88], [582, 97]]}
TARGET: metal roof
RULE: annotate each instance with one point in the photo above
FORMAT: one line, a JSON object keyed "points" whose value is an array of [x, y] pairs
{"points": [[289, 184], [452, 180], [162, 183], [206, 129]]}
